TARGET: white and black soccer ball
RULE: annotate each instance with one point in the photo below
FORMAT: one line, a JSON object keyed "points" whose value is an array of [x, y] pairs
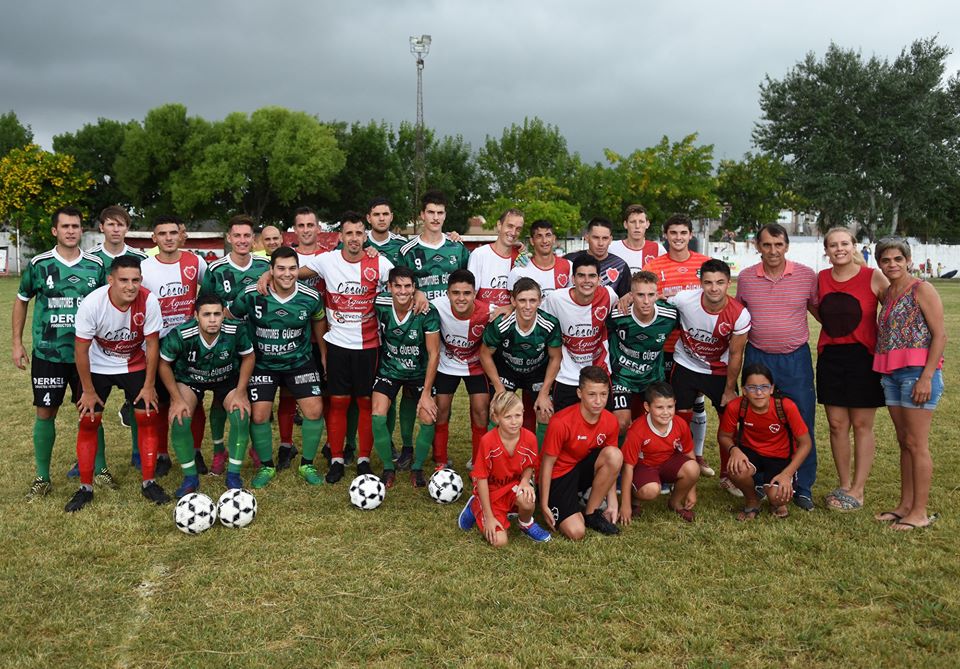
{"points": [[445, 486], [237, 508], [585, 497], [367, 492], [194, 513]]}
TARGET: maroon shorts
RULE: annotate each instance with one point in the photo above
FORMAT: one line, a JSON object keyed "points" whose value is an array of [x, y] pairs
{"points": [[665, 472]]}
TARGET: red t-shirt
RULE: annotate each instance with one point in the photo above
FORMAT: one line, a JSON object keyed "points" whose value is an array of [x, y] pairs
{"points": [[501, 469], [571, 438], [643, 444], [763, 433]]}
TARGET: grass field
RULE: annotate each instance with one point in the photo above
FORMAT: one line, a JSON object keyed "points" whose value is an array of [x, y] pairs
{"points": [[314, 582]]}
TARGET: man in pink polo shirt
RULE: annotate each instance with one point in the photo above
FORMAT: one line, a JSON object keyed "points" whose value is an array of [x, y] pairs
{"points": [[779, 293]]}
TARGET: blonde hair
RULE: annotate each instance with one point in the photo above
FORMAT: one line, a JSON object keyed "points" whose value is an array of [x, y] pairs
{"points": [[857, 256], [503, 402]]}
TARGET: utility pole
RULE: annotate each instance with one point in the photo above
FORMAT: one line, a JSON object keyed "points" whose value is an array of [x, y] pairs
{"points": [[419, 47]]}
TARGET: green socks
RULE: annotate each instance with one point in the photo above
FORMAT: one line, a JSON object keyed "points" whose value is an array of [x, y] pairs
{"points": [[408, 417], [239, 430], [541, 433], [424, 443], [100, 462], [311, 432], [381, 440], [262, 435], [218, 418], [44, 434], [182, 439]]}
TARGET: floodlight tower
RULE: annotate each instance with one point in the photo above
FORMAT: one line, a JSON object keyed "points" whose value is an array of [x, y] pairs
{"points": [[419, 47]]}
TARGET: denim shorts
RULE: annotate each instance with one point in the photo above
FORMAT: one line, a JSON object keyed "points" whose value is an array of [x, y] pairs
{"points": [[898, 388]]}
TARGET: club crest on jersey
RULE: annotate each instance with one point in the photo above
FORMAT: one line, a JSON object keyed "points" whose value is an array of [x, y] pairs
{"points": [[302, 315], [370, 274], [562, 280], [600, 313], [73, 278], [477, 330], [724, 329], [139, 318], [224, 355], [678, 445], [190, 272], [601, 439], [775, 428], [413, 334], [612, 274]]}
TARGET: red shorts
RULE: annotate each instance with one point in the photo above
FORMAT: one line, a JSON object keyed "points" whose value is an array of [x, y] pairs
{"points": [[506, 503], [665, 472]]}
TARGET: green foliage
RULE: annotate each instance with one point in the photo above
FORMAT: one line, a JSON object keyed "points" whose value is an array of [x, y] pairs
{"points": [[539, 197], [534, 149], [13, 134], [95, 148], [753, 191]]}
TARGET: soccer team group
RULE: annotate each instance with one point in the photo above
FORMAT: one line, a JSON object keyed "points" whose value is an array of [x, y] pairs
{"points": [[383, 326]]}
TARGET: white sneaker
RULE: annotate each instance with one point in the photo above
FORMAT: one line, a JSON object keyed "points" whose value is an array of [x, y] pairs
{"points": [[727, 484], [705, 470]]}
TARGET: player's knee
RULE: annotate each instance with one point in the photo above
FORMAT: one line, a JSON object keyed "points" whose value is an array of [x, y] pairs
{"points": [[499, 540], [573, 528], [46, 413], [525, 505], [624, 423], [648, 491], [690, 470], [611, 455]]}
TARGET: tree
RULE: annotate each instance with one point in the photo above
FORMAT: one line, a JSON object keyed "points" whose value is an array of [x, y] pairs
{"points": [[33, 184], [13, 134], [754, 190], [95, 148], [539, 197]]}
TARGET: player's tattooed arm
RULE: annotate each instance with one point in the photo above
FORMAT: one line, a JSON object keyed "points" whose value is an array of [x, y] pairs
{"points": [[20, 358]]}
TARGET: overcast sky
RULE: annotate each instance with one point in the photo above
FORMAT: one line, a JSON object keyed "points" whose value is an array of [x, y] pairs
{"points": [[616, 75]]}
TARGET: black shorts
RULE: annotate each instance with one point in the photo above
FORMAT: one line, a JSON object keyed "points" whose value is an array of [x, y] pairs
{"points": [[565, 396], [687, 384], [767, 467], [667, 363], [412, 388], [51, 380], [131, 383], [513, 381], [302, 382], [625, 398], [565, 491], [845, 377], [447, 384], [350, 372], [219, 390]]}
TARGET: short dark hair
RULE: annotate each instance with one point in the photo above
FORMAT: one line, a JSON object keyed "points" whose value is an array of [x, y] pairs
{"points": [[123, 262], [631, 209], [377, 202], [714, 265], [599, 222], [678, 219], [303, 211], [755, 368], [541, 224], [73, 212], [658, 389], [165, 219], [207, 298], [401, 272], [593, 374], [583, 261], [283, 252], [241, 219], [512, 211], [433, 197], [774, 230], [461, 276], [350, 216], [525, 283], [115, 212], [643, 276]]}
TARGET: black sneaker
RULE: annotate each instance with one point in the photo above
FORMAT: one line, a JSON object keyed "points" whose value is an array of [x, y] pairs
{"points": [[348, 453], [389, 478], [405, 459], [596, 522], [163, 466], [416, 478], [335, 473], [199, 462], [285, 455], [79, 500], [155, 493], [364, 468]]}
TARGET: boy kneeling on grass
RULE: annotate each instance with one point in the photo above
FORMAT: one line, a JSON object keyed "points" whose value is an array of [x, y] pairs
{"points": [[767, 441], [503, 469], [658, 450]]}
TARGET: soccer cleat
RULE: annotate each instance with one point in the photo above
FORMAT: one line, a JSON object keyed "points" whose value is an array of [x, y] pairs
{"points": [[105, 479], [234, 481], [219, 463], [416, 478], [705, 469], [728, 485], [79, 500], [466, 520], [126, 415], [285, 455], [163, 466], [535, 532], [405, 459], [348, 452], [200, 463], [74, 472], [364, 468], [135, 459], [309, 474], [190, 484], [263, 476], [39, 488], [389, 478], [155, 493], [335, 473], [597, 522]]}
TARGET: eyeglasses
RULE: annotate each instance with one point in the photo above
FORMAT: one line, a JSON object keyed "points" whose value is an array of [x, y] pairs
{"points": [[765, 388]]}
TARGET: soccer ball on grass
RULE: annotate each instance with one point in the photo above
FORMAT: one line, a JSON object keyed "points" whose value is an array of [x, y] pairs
{"points": [[194, 513], [237, 508], [445, 486]]}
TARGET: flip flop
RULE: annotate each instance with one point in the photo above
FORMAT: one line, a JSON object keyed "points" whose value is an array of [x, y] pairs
{"points": [[895, 517], [780, 511], [931, 519], [833, 494], [843, 502], [748, 513]]}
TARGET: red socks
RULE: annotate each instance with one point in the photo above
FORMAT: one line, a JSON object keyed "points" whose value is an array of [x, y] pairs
{"points": [[365, 427], [149, 430], [441, 436], [285, 413], [476, 434], [337, 424], [87, 447]]}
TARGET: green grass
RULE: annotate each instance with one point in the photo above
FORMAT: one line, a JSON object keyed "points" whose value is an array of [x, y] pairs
{"points": [[314, 582]]}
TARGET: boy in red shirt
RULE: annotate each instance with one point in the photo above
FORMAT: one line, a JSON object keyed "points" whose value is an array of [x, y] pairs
{"points": [[503, 470], [580, 453], [658, 450], [767, 442]]}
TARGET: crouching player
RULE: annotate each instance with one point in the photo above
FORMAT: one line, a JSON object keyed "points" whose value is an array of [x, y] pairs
{"points": [[503, 471], [207, 354], [580, 453], [767, 441], [658, 450]]}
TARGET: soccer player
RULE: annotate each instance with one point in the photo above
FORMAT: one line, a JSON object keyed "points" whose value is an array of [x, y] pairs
{"points": [[380, 219], [227, 278], [637, 337], [207, 354], [280, 323], [545, 267], [431, 255], [117, 330], [353, 280], [522, 351], [766, 440], [679, 269], [614, 271], [503, 476], [582, 312], [462, 322], [713, 334], [580, 453], [409, 361], [491, 263], [658, 450], [636, 249], [59, 280]]}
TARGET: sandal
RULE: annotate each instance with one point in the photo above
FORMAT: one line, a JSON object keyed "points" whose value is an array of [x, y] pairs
{"points": [[894, 517], [686, 514], [748, 513], [843, 502], [908, 527], [780, 511]]}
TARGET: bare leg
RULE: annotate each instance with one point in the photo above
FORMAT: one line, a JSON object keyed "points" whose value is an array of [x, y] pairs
{"points": [[864, 444], [839, 420]]}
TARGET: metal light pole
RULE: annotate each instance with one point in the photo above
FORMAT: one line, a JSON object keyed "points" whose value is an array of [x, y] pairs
{"points": [[419, 47]]}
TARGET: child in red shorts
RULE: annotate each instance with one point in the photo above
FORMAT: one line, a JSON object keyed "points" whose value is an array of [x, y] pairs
{"points": [[657, 450], [503, 470]]}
